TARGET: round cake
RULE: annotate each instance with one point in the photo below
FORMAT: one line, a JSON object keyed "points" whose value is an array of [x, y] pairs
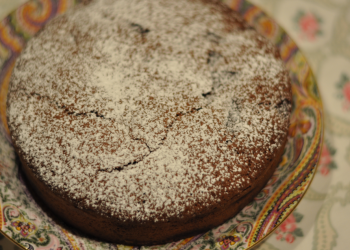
{"points": [[146, 121]]}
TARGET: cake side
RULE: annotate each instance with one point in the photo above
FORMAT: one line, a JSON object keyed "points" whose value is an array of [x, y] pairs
{"points": [[151, 233]]}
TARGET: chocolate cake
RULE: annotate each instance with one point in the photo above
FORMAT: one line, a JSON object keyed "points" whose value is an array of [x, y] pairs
{"points": [[144, 122]]}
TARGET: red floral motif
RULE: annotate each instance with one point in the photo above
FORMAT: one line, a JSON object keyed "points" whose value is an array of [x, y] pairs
{"points": [[24, 228], [226, 241], [324, 171], [326, 162], [288, 231], [290, 238], [309, 25], [346, 91], [289, 224], [346, 94], [279, 237]]}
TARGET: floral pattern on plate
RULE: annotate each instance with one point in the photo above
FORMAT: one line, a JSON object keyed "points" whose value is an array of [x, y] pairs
{"points": [[288, 231], [33, 226], [344, 90], [309, 25]]}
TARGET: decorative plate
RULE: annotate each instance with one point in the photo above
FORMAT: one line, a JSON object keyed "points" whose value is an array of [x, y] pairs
{"points": [[33, 227]]}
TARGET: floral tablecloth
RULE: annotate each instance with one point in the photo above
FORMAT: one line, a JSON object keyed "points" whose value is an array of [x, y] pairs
{"points": [[321, 29]]}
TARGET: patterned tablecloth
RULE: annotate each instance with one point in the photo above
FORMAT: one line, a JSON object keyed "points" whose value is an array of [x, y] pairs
{"points": [[321, 29]]}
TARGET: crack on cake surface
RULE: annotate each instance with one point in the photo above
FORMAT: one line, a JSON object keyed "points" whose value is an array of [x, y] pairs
{"points": [[211, 36], [64, 108], [84, 113], [284, 105], [140, 28], [233, 117], [213, 57], [179, 114], [134, 162], [219, 80]]}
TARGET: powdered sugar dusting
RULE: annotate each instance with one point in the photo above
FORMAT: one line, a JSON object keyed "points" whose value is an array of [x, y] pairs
{"points": [[145, 109]]}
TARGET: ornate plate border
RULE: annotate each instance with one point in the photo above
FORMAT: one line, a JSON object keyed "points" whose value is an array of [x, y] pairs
{"points": [[29, 225]]}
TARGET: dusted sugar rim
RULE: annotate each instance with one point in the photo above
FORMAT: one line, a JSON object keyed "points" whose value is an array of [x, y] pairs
{"points": [[271, 207]]}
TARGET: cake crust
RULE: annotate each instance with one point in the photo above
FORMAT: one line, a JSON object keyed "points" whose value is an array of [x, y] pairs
{"points": [[141, 131]]}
